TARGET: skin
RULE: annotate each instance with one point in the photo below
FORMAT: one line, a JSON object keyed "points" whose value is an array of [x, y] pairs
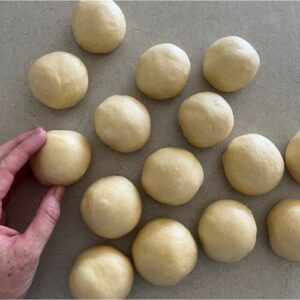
{"points": [[20, 252]]}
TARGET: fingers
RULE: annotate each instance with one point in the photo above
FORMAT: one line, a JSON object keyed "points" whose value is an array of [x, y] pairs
{"points": [[18, 157], [10, 145], [40, 229]]}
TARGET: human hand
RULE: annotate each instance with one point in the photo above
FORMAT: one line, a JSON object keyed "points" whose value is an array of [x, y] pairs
{"points": [[20, 252]]}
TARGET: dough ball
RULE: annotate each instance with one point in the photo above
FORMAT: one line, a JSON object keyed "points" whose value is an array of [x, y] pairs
{"points": [[123, 123], [172, 176], [284, 229], [63, 160], [98, 26], [58, 79], [111, 207], [206, 119], [101, 272], [230, 64], [164, 252], [253, 165], [227, 231], [292, 157], [163, 71]]}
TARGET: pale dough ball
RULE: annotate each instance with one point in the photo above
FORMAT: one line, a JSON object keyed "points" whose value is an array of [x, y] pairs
{"points": [[101, 272], [164, 252], [230, 64], [58, 79], [253, 165], [123, 123], [111, 207], [292, 157], [64, 158], [163, 71], [172, 176], [206, 119], [284, 229], [227, 231], [98, 26]]}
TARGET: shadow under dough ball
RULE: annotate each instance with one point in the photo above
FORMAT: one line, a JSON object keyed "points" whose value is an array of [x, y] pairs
{"points": [[230, 64], [227, 231], [58, 79], [252, 164], [292, 157]]}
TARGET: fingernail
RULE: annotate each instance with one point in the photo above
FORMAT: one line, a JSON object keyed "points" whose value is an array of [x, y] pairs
{"points": [[38, 129], [59, 192]]}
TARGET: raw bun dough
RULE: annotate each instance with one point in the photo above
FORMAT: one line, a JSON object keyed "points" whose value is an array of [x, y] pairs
{"points": [[292, 157], [98, 26], [253, 165], [111, 207], [64, 158], [230, 64], [227, 231], [123, 123], [172, 176], [58, 79], [163, 71], [164, 252], [101, 272], [206, 119], [284, 229]]}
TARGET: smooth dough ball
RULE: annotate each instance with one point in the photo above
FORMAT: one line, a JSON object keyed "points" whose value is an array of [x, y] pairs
{"points": [[206, 119], [284, 229], [253, 165], [123, 123], [99, 26], [58, 79], [163, 71], [172, 176], [230, 64], [292, 157], [227, 231], [101, 272], [63, 160], [111, 207], [164, 252]]}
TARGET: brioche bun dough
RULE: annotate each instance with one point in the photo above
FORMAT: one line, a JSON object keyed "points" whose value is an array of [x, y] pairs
{"points": [[101, 272], [206, 119], [123, 123], [172, 176], [162, 71], [292, 157], [253, 165], [164, 252], [58, 79], [230, 64], [284, 229], [99, 26], [63, 160], [111, 207], [227, 231]]}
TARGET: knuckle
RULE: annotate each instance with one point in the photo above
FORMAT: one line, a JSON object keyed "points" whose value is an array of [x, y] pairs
{"points": [[52, 214]]}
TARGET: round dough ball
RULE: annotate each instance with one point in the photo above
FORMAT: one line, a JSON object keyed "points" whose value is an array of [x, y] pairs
{"points": [[163, 71], [284, 229], [292, 157], [164, 252], [58, 79], [172, 176], [253, 165], [63, 160], [111, 207], [101, 272], [98, 26], [123, 123], [206, 119], [227, 231], [230, 64]]}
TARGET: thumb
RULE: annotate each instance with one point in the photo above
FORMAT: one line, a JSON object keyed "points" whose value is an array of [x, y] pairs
{"points": [[41, 227]]}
